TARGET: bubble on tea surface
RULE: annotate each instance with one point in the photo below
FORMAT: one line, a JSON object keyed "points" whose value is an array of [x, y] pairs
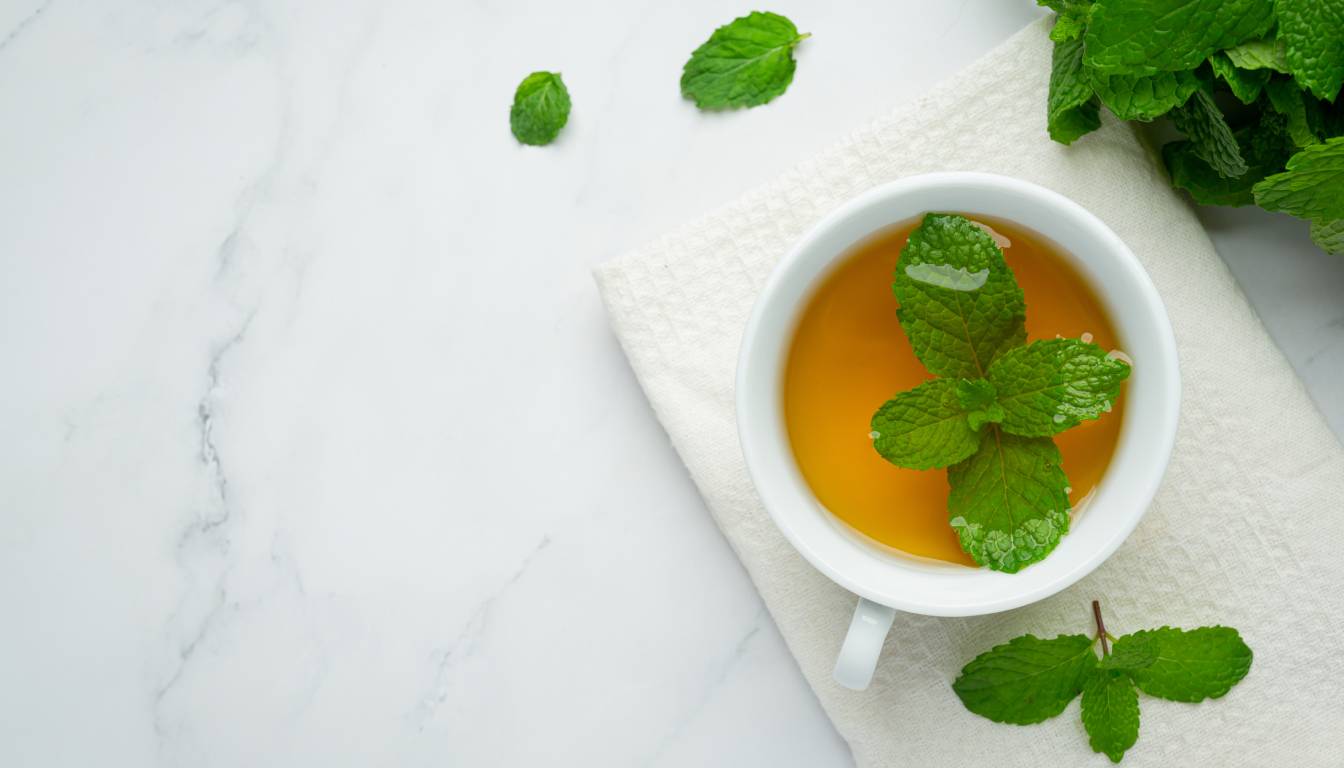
{"points": [[1116, 354], [999, 239], [1086, 337], [874, 435], [1068, 489], [1059, 418]]}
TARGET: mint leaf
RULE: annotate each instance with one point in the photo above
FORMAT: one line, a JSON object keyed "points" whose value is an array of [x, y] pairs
{"points": [[1329, 235], [745, 63], [1007, 502], [1313, 36], [1071, 108], [1266, 147], [1209, 134], [1267, 54], [1313, 185], [1027, 679], [1071, 19], [540, 108], [960, 306], [1049, 386], [1143, 97], [1245, 84], [980, 400], [1110, 713], [1301, 111], [925, 428], [1135, 653], [1142, 37], [1191, 665]]}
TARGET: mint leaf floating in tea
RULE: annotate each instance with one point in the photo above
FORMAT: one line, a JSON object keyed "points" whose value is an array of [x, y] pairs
{"points": [[1049, 386], [960, 305], [1008, 502], [925, 428], [990, 419], [1028, 679], [540, 108], [745, 63]]}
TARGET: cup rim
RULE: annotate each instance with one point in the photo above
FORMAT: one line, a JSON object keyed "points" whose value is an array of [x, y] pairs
{"points": [[1142, 451]]}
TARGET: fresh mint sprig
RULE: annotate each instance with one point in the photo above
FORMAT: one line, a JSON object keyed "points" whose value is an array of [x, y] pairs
{"points": [[1028, 679], [991, 416], [540, 108], [1252, 84]]}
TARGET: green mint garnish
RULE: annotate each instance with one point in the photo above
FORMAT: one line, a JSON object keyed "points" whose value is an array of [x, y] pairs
{"points": [[1027, 679], [1312, 31], [1266, 54], [990, 418], [1209, 135], [1244, 83], [1148, 59], [960, 305], [1008, 503], [1143, 97], [1329, 235], [1071, 110], [1189, 665], [745, 63], [1049, 386], [1312, 187], [540, 108], [1143, 37], [1110, 713]]}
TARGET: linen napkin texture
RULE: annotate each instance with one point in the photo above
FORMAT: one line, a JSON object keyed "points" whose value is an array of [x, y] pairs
{"points": [[1246, 531]]}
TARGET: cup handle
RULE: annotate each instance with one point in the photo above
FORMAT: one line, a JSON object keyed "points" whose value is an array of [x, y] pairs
{"points": [[858, 656]]}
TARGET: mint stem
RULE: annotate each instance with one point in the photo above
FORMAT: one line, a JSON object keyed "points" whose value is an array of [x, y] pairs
{"points": [[1101, 629]]}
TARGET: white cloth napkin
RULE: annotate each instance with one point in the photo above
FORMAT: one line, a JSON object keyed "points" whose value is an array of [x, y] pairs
{"points": [[1247, 530]]}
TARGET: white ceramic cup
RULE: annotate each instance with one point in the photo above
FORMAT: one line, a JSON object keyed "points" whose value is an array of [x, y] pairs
{"points": [[886, 581]]}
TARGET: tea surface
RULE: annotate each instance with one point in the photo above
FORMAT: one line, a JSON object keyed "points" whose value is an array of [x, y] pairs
{"points": [[849, 356]]}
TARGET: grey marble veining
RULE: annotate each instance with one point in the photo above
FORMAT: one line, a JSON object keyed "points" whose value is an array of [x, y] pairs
{"points": [[316, 447]]}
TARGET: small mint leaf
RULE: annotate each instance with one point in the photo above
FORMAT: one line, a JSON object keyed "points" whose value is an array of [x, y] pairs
{"points": [[1191, 665], [1264, 54], [1049, 386], [1071, 107], [1312, 187], [1110, 713], [959, 304], [1209, 134], [925, 428], [1329, 235], [1007, 501], [975, 394], [745, 63], [540, 108], [1027, 679], [1245, 84]]}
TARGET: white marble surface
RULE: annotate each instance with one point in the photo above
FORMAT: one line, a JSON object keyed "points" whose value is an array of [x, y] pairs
{"points": [[314, 446]]}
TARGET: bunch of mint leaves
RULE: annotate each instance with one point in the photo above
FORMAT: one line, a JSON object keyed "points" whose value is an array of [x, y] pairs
{"points": [[991, 415], [1028, 680], [1252, 84], [744, 63]]}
